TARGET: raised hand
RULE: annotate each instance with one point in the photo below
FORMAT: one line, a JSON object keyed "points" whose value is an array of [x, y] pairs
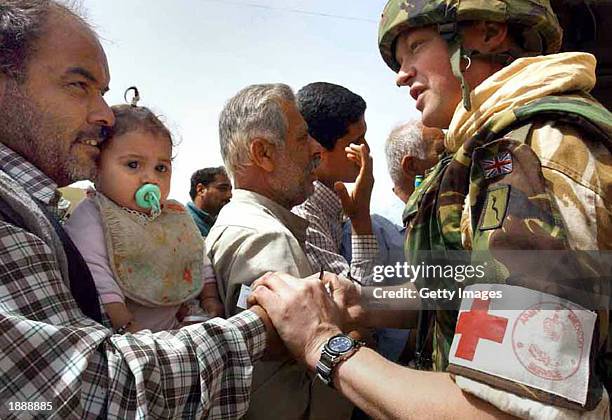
{"points": [[356, 205]]}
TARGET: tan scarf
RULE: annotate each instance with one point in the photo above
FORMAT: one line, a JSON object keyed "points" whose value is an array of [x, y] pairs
{"points": [[523, 81], [155, 262]]}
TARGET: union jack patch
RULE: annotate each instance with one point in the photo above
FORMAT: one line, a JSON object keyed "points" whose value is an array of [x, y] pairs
{"points": [[499, 165]]}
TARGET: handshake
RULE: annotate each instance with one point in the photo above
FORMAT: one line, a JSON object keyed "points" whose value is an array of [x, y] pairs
{"points": [[300, 315]]}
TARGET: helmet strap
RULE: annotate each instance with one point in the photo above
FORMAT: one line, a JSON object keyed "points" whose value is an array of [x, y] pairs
{"points": [[450, 33], [456, 53]]}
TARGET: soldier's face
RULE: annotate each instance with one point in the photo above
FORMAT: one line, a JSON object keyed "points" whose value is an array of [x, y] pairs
{"points": [[425, 67]]}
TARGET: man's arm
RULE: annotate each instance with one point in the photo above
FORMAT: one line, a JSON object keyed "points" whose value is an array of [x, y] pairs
{"points": [[241, 255], [51, 353], [359, 306], [306, 317], [379, 387]]}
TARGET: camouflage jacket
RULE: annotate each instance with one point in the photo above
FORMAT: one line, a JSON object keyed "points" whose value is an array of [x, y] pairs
{"points": [[537, 177]]}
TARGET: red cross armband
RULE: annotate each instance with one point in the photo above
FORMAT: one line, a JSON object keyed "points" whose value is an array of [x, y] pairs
{"points": [[523, 341]]}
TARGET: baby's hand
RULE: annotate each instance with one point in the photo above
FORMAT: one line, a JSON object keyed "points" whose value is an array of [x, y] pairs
{"points": [[213, 306]]}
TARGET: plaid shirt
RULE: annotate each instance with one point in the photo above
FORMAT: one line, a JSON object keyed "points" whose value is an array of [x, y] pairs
{"points": [[323, 210], [73, 367]]}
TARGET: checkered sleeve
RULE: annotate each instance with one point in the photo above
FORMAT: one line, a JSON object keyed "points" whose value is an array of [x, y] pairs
{"points": [[50, 353], [365, 255], [323, 252], [321, 248]]}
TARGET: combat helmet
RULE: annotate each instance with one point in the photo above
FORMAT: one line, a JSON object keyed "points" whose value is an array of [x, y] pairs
{"points": [[533, 20]]}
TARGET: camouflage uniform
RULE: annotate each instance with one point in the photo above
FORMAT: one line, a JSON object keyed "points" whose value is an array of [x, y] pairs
{"points": [[556, 193]]}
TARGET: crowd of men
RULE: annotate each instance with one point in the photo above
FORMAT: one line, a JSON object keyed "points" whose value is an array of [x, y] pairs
{"points": [[525, 164]]}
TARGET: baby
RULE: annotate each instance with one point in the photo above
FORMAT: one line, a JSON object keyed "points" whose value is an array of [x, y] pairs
{"points": [[145, 253]]}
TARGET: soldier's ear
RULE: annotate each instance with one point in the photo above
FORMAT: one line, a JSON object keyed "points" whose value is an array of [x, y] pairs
{"points": [[487, 36], [262, 154], [495, 33]]}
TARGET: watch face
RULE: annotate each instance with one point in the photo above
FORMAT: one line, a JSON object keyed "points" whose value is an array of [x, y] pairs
{"points": [[340, 344]]}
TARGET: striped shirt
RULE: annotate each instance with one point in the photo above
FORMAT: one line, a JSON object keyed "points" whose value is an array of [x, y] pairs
{"points": [[323, 210]]}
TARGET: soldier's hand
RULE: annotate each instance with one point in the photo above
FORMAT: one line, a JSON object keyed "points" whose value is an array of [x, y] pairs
{"points": [[302, 312], [347, 296]]}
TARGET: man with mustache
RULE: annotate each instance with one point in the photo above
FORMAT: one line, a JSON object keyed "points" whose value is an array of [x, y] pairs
{"points": [[59, 355], [210, 190], [272, 159]]}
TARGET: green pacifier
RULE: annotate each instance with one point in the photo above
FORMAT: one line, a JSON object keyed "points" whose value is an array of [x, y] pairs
{"points": [[148, 197]]}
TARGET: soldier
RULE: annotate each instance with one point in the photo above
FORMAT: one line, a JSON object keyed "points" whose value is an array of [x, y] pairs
{"points": [[510, 186], [527, 167]]}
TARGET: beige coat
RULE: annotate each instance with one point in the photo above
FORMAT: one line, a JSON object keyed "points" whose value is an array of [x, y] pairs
{"points": [[254, 235]]}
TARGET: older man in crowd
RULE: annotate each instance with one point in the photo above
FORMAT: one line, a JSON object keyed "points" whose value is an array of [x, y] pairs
{"points": [[267, 150], [210, 190], [411, 150], [58, 353]]}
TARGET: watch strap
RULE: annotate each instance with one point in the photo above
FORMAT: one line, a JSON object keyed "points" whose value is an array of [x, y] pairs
{"points": [[327, 362]]}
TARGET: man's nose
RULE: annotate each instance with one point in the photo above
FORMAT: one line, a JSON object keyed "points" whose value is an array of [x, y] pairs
{"points": [[100, 113], [404, 75], [315, 146]]}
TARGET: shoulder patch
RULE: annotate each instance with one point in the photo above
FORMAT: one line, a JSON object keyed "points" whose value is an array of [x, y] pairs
{"points": [[500, 164], [496, 204]]}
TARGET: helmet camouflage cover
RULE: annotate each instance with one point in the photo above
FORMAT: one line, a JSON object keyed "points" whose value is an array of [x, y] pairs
{"points": [[535, 19]]}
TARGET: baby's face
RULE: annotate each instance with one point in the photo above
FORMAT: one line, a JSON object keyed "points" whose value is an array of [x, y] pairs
{"points": [[131, 160]]}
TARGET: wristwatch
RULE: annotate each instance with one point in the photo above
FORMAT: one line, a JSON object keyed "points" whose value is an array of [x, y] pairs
{"points": [[338, 348]]}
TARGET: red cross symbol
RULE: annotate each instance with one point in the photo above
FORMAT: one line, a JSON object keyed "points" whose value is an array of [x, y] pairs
{"points": [[477, 324]]}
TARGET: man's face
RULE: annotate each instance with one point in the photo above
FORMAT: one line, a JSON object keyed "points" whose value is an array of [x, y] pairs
{"points": [[296, 162], [434, 146], [425, 67], [54, 118], [216, 194], [335, 165]]}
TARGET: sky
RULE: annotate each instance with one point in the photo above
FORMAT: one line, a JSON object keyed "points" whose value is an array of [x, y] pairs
{"points": [[188, 57]]}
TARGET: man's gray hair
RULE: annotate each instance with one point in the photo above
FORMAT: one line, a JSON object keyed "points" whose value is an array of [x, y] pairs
{"points": [[22, 24], [404, 140], [253, 112]]}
